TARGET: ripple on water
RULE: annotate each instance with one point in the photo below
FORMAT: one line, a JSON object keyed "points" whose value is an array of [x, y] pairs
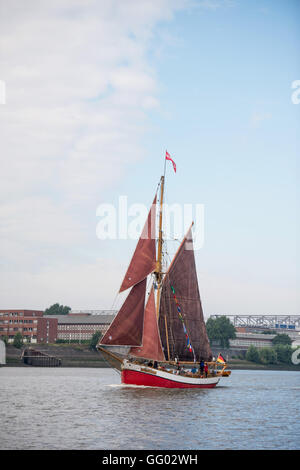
{"points": [[90, 409]]}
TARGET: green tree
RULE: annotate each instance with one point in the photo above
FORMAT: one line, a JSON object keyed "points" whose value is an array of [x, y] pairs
{"points": [[284, 353], [282, 339], [252, 354], [57, 309], [4, 339], [267, 356], [18, 340], [95, 339], [220, 329]]}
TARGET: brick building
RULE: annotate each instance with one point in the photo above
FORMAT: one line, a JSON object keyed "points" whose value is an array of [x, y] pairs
{"points": [[47, 330], [35, 327], [20, 321]]}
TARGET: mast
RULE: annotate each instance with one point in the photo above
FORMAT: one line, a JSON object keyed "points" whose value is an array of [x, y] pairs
{"points": [[158, 272]]}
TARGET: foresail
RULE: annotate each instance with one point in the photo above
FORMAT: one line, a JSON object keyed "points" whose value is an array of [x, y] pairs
{"points": [[181, 322], [143, 261], [151, 347], [127, 327]]}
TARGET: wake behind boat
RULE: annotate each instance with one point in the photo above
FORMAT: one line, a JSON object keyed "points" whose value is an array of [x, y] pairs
{"points": [[163, 343]]}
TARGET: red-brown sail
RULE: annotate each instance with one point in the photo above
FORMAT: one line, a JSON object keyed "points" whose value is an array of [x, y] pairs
{"points": [[151, 348], [182, 277], [127, 327], [143, 261]]}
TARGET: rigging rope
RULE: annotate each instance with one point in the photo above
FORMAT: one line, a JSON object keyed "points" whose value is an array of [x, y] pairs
{"points": [[189, 344]]}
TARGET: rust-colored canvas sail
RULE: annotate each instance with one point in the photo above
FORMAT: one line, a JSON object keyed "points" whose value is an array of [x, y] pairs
{"points": [[181, 309], [151, 347], [127, 327], [143, 261]]}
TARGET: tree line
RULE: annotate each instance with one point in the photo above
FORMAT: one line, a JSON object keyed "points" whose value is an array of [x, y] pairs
{"points": [[221, 330], [279, 353]]}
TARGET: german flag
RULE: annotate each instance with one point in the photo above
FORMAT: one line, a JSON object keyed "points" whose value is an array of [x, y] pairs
{"points": [[221, 359]]}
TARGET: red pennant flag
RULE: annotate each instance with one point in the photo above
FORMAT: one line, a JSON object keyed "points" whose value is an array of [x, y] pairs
{"points": [[169, 158]]}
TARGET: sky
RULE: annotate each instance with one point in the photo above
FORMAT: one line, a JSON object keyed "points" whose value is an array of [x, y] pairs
{"points": [[96, 92]]}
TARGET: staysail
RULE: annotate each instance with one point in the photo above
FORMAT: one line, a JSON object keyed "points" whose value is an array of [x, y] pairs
{"points": [[143, 261], [181, 322], [127, 327], [151, 347]]}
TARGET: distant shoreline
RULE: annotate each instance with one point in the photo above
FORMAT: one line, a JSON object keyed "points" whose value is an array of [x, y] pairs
{"points": [[246, 365], [79, 355]]}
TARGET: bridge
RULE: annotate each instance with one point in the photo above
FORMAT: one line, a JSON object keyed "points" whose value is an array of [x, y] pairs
{"points": [[282, 322]]}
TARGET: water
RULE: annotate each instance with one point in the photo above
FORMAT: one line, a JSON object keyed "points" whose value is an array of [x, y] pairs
{"points": [[61, 408]]}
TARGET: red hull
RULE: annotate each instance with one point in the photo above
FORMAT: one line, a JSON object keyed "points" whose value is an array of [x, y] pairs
{"points": [[131, 377]]}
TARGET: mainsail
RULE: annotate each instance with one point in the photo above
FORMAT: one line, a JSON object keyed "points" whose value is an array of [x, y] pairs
{"points": [[143, 261], [181, 322], [151, 347]]}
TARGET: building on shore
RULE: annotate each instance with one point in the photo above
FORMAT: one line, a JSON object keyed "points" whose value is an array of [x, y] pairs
{"points": [[244, 340], [82, 326], [35, 327], [258, 331], [29, 323]]}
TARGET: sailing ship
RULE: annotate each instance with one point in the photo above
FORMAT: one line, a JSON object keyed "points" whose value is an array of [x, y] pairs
{"points": [[161, 341]]}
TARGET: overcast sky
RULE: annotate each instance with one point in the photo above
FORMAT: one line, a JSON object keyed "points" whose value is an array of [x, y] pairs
{"points": [[96, 91]]}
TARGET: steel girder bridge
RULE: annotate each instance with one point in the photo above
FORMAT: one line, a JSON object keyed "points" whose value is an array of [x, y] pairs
{"points": [[290, 322]]}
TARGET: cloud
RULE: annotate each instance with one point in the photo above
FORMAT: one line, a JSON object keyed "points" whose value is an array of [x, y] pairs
{"points": [[213, 5], [86, 285], [257, 118], [78, 89]]}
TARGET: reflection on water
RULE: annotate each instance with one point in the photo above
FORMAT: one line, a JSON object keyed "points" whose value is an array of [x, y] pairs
{"points": [[89, 409]]}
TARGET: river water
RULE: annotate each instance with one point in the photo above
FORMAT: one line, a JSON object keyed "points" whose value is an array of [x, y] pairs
{"points": [[77, 408]]}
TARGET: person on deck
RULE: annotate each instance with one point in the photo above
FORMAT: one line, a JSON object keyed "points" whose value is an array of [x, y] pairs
{"points": [[201, 366], [206, 369]]}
